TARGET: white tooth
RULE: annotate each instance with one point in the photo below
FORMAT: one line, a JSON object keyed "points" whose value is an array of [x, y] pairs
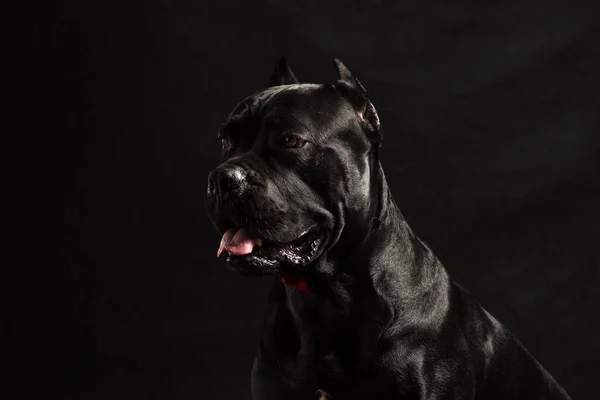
{"points": [[229, 253]]}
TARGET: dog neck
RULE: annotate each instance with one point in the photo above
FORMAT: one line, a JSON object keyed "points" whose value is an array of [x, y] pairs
{"points": [[382, 263]]}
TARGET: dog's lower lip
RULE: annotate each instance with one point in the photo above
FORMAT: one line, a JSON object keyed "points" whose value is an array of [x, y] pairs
{"points": [[299, 248]]}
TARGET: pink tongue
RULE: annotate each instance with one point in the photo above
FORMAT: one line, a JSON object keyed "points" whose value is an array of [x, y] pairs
{"points": [[237, 241]]}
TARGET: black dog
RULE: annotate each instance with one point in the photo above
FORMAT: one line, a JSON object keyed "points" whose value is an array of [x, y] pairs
{"points": [[361, 309]]}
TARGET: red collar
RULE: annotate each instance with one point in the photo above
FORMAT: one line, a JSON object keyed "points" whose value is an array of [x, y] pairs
{"points": [[296, 282]]}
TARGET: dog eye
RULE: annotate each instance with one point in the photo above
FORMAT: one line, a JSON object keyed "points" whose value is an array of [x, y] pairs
{"points": [[292, 142]]}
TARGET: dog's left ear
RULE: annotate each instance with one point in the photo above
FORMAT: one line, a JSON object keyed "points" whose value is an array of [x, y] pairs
{"points": [[356, 93], [282, 74]]}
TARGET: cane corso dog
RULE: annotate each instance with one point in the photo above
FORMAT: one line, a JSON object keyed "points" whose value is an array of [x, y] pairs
{"points": [[360, 307]]}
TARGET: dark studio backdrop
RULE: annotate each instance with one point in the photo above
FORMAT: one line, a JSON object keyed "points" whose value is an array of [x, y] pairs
{"points": [[491, 118]]}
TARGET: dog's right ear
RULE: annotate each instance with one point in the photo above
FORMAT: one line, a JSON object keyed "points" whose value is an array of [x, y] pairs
{"points": [[282, 75], [356, 93]]}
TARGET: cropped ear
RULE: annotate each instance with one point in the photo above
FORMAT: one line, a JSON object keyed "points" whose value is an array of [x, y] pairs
{"points": [[356, 93], [282, 74]]}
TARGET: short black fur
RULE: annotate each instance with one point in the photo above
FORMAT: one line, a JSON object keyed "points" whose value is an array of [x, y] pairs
{"points": [[384, 320]]}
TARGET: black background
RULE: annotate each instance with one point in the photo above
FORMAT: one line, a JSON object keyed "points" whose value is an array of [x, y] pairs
{"points": [[490, 113]]}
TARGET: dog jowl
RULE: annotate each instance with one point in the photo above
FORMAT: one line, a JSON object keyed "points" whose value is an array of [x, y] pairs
{"points": [[360, 307]]}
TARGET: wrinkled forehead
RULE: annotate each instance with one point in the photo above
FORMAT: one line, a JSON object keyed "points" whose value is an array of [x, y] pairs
{"points": [[256, 102], [289, 103]]}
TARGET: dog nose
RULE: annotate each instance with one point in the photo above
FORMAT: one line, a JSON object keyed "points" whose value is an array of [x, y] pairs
{"points": [[226, 178]]}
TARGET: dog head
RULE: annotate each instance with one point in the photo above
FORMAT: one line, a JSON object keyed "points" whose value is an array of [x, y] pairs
{"points": [[296, 172]]}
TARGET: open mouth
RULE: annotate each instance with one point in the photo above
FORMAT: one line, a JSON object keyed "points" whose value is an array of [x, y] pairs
{"points": [[245, 248]]}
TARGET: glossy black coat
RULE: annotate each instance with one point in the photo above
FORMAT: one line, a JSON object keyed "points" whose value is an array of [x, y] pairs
{"points": [[385, 320]]}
